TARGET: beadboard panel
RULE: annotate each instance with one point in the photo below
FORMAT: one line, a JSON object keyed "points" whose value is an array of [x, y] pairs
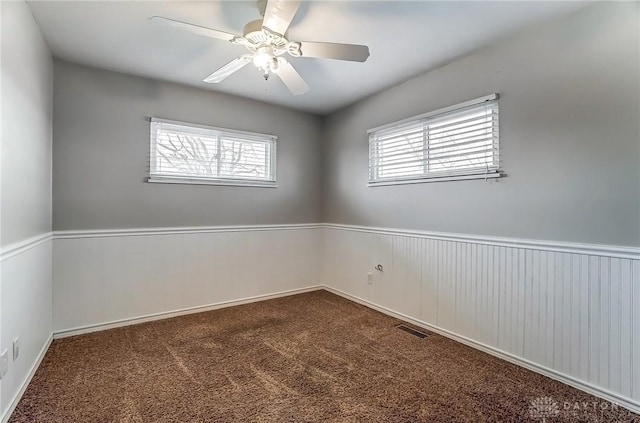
{"points": [[25, 293], [108, 277], [575, 315]]}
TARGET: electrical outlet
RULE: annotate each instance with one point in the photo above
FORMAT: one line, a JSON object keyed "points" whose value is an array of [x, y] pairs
{"points": [[369, 278], [16, 349], [4, 363]]}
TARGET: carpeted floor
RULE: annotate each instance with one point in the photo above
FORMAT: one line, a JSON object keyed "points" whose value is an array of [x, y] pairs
{"points": [[312, 357]]}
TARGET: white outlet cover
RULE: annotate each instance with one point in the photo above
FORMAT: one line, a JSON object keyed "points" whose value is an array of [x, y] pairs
{"points": [[16, 349], [4, 364], [370, 278]]}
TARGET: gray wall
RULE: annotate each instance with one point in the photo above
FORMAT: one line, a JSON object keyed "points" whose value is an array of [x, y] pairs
{"points": [[570, 139], [25, 149], [101, 155], [570, 144], [26, 298]]}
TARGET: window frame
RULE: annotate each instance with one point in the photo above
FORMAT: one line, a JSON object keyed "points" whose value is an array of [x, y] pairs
{"points": [[494, 171], [155, 177]]}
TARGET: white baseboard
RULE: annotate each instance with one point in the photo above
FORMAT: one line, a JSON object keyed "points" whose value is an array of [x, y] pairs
{"points": [[136, 320], [591, 389], [16, 399], [175, 313]]}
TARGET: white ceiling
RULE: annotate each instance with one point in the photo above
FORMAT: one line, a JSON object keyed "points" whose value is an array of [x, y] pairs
{"points": [[405, 38]]}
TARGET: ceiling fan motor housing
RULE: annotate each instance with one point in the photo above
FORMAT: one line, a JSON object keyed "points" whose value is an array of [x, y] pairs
{"points": [[255, 36], [253, 32]]}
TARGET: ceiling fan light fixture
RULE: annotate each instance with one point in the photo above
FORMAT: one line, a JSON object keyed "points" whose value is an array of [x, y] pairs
{"points": [[263, 57], [274, 66], [266, 61]]}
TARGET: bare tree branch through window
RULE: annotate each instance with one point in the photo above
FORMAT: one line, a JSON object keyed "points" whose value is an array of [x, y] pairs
{"points": [[193, 152]]}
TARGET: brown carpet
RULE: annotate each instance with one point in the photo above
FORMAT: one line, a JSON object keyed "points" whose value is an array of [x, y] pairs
{"points": [[312, 357]]}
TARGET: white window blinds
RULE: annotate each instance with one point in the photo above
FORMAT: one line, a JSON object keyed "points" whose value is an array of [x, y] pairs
{"points": [[182, 152], [453, 143]]}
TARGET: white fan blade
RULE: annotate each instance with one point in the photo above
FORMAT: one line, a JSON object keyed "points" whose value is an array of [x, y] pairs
{"points": [[197, 29], [292, 79], [279, 14], [351, 52], [231, 67]]}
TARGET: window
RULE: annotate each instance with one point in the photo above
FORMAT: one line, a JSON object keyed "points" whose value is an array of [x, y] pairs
{"points": [[188, 153], [459, 142]]}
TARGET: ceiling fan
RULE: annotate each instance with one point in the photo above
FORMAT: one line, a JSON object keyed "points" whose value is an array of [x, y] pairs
{"points": [[267, 42]]}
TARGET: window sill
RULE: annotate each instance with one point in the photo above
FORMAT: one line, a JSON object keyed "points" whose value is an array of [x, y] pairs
{"points": [[484, 176], [234, 183]]}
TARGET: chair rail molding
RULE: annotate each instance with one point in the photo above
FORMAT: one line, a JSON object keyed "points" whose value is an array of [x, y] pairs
{"points": [[531, 244]]}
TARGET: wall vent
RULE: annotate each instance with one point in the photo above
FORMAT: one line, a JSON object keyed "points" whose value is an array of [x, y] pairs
{"points": [[412, 331]]}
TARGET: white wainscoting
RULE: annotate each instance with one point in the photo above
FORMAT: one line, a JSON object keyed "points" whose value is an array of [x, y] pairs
{"points": [[570, 311], [26, 301], [111, 278]]}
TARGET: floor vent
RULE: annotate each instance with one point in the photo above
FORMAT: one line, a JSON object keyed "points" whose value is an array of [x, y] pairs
{"points": [[412, 331]]}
